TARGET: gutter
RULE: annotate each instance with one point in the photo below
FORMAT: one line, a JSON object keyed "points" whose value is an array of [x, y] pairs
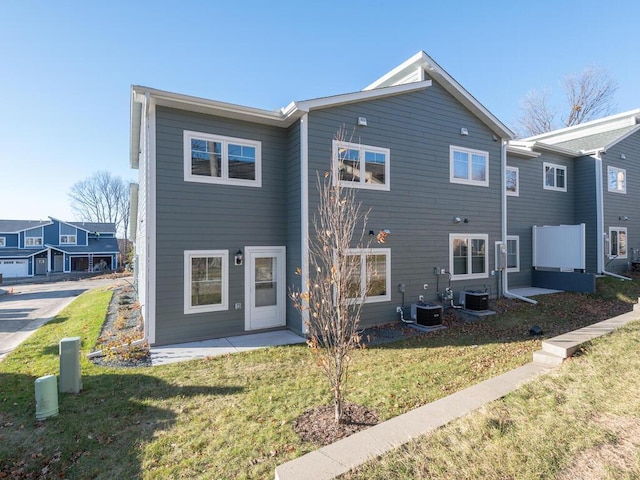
{"points": [[505, 276]]}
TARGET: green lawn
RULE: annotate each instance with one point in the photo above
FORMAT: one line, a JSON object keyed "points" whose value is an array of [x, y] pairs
{"points": [[231, 416]]}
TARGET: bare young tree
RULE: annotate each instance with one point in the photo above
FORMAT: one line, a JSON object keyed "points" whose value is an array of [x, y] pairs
{"points": [[589, 95], [334, 295], [102, 197]]}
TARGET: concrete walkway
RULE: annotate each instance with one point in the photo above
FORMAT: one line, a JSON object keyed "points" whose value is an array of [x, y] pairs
{"points": [[221, 346], [340, 457]]}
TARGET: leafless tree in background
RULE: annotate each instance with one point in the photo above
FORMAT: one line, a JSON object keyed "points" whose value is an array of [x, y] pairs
{"points": [[102, 197], [334, 296], [589, 95]]}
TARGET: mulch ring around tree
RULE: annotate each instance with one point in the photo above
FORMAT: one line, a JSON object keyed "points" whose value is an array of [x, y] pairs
{"points": [[318, 424]]}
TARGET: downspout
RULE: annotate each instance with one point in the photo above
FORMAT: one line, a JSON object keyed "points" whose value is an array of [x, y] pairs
{"points": [[600, 218], [503, 186]]}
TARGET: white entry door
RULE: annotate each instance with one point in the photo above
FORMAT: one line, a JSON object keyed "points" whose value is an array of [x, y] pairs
{"points": [[265, 289]]}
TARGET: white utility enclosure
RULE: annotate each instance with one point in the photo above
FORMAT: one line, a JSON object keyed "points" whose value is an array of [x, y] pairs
{"points": [[561, 246]]}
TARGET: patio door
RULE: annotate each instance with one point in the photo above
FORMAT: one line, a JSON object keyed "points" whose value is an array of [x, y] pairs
{"points": [[265, 289]]}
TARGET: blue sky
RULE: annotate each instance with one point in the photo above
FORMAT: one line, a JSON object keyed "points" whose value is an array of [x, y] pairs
{"points": [[66, 67]]}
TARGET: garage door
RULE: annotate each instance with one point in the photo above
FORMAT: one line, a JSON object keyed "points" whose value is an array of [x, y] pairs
{"points": [[14, 268]]}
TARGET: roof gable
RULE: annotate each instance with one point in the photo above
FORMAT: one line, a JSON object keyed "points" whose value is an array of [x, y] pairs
{"points": [[415, 68]]}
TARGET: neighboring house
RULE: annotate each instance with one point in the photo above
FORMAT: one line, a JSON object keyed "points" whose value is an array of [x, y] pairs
{"points": [[586, 174], [37, 247], [222, 212]]}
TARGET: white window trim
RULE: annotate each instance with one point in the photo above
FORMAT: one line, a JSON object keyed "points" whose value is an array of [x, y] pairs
{"points": [[468, 181], [336, 144], [555, 167], [75, 239], [188, 255], [3, 242], [517, 171], [35, 244], [515, 238], [363, 252], [469, 236], [224, 178], [615, 190], [626, 236]]}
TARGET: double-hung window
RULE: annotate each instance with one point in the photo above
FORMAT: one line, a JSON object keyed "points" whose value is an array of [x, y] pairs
{"points": [[467, 166], [67, 235], [361, 166], [468, 256], [373, 267], [3, 242], [617, 179], [512, 181], [555, 177], [216, 159], [206, 287], [618, 242]]}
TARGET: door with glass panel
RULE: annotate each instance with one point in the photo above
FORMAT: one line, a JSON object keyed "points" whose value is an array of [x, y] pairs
{"points": [[265, 289]]}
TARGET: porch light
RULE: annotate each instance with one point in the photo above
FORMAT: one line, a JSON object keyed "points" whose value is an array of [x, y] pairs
{"points": [[238, 257]]}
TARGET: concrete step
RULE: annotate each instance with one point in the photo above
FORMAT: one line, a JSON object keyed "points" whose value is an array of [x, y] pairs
{"points": [[545, 358]]}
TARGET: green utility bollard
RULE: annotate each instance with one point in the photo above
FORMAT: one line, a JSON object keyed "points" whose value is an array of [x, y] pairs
{"points": [[46, 397], [70, 379]]}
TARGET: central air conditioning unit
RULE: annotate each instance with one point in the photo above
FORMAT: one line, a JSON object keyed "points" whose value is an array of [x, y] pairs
{"points": [[426, 314], [477, 301]]}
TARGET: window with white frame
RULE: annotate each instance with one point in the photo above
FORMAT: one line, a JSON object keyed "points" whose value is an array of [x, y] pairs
{"points": [[217, 159], [618, 242], [68, 234], [374, 266], [513, 254], [617, 179], [512, 181], [205, 280], [468, 166], [468, 256], [3, 242], [555, 177], [361, 166], [33, 238]]}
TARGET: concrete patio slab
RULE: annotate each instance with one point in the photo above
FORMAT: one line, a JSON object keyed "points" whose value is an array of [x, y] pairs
{"points": [[533, 291], [166, 354]]}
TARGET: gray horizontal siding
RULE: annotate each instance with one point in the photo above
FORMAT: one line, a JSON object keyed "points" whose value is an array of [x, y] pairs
{"points": [[616, 205], [537, 206], [199, 216], [418, 128], [586, 208], [294, 254]]}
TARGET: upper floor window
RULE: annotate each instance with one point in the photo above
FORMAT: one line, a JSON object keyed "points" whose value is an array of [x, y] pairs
{"points": [[3, 242], [618, 242], [555, 177], [67, 239], [361, 166], [33, 238], [68, 234], [512, 181], [216, 159], [467, 166], [372, 267], [617, 179], [468, 256]]}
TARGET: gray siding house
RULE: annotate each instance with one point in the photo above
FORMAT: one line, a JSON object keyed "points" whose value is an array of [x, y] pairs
{"points": [[226, 194], [598, 163]]}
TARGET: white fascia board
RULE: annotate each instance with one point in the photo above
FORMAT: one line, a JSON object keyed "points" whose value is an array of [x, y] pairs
{"points": [[600, 125], [545, 147], [137, 103], [354, 97], [203, 105], [522, 151], [134, 189], [435, 71]]}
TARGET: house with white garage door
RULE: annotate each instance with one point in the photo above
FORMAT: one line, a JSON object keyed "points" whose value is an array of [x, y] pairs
{"points": [[39, 247]]}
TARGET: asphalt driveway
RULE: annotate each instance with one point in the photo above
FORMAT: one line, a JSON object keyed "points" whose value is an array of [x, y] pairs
{"points": [[26, 307]]}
